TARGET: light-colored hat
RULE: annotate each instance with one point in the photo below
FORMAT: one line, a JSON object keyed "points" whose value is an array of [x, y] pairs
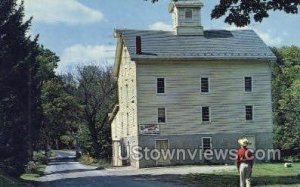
{"points": [[244, 142]]}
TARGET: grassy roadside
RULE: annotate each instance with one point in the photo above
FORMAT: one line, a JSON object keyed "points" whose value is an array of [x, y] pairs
{"points": [[37, 167], [33, 175], [90, 161], [263, 174]]}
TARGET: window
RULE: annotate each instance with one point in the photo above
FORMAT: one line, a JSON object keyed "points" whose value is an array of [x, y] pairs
{"points": [[160, 85], [122, 123], [189, 14], [206, 143], [133, 114], [132, 90], [249, 112], [248, 84], [161, 115], [204, 85], [127, 120], [126, 94], [121, 94], [205, 113]]}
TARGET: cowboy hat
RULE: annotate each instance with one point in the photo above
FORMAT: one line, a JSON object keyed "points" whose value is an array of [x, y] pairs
{"points": [[244, 142]]}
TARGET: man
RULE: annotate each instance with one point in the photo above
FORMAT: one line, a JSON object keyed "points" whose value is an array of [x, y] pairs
{"points": [[244, 161]]}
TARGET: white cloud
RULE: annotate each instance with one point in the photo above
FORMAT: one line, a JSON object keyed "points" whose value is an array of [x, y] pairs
{"points": [[270, 40], [265, 36], [70, 12], [160, 26], [79, 55]]}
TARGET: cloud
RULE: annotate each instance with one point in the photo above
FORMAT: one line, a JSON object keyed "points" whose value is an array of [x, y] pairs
{"points": [[265, 36], [69, 12], [160, 26], [79, 55], [270, 40]]}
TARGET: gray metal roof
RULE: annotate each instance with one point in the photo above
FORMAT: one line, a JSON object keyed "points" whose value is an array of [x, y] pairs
{"points": [[214, 45]]}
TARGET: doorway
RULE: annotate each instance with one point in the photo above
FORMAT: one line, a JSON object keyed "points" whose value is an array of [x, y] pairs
{"points": [[163, 146]]}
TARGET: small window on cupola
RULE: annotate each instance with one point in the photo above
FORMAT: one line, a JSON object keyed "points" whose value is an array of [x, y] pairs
{"points": [[189, 14]]}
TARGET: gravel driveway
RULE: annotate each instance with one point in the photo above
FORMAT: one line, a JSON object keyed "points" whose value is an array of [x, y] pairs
{"points": [[65, 172]]}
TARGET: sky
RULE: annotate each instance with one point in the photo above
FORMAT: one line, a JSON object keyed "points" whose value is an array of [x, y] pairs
{"points": [[80, 32]]}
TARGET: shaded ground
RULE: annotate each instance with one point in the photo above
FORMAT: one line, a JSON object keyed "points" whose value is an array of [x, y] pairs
{"points": [[224, 180], [264, 174], [64, 171]]}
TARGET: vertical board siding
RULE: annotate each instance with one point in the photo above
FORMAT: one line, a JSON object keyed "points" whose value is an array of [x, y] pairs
{"points": [[227, 97]]}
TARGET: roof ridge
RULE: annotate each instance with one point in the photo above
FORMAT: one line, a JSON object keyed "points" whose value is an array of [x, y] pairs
{"points": [[214, 44], [125, 29], [151, 30]]}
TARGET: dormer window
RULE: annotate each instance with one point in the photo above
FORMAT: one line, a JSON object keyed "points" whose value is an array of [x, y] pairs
{"points": [[189, 14]]}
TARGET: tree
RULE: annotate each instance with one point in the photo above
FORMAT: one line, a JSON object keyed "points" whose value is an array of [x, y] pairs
{"points": [[19, 93], [47, 63], [61, 113], [286, 98], [97, 94], [241, 12]]}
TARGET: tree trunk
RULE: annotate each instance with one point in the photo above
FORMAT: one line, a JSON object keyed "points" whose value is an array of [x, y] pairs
{"points": [[29, 117], [95, 140], [56, 144]]}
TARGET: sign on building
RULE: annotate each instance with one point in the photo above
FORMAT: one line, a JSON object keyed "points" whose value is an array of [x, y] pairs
{"points": [[149, 129]]}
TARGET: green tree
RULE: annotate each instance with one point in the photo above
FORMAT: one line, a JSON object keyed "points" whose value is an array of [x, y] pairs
{"points": [[286, 98], [97, 94], [47, 61], [19, 93], [61, 110], [47, 64], [241, 12]]}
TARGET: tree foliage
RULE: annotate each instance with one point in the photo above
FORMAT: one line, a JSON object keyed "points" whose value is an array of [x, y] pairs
{"points": [[286, 98], [61, 112], [19, 88], [241, 12], [19, 93], [97, 94], [24, 68]]}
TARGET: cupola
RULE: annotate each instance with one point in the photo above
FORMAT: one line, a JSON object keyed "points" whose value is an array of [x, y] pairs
{"points": [[186, 16]]}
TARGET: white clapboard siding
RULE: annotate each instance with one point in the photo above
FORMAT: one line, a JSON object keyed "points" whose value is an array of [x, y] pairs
{"points": [[183, 26], [227, 98], [194, 22]]}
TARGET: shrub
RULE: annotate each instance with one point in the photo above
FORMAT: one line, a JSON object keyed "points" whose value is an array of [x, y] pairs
{"points": [[40, 157], [66, 140], [291, 159], [87, 159], [31, 167]]}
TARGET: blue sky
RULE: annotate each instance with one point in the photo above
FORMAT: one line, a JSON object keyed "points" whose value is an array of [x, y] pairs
{"points": [[81, 31]]}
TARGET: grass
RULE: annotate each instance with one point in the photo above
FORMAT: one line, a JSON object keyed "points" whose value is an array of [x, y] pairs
{"points": [[10, 182], [263, 174], [100, 164], [35, 174]]}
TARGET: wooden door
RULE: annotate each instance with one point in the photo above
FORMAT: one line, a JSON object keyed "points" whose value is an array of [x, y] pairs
{"points": [[163, 146]]}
